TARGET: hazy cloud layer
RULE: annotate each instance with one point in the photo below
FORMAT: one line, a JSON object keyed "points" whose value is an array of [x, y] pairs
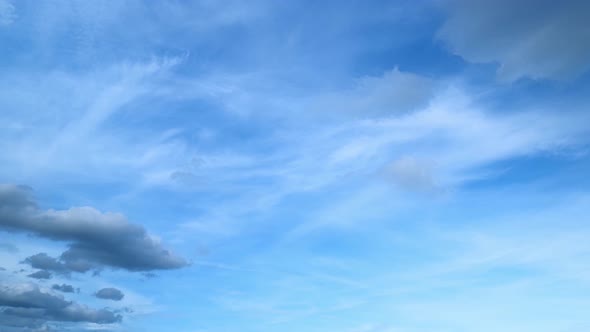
{"points": [[110, 294], [95, 239], [29, 306], [538, 39]]}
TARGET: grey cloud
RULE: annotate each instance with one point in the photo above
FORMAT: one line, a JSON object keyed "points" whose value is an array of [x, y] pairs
{"points": [[42, 274], [29, 296], [534, 38], [9, 323], [45, 262], [95, 239], [61, 266], [29, 306], [394, 92], [412, 174], [65, 288], [110, 294], [71, 313], [8, 247]]}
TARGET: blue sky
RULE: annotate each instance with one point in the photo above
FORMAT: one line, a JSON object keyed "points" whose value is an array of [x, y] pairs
{"points": [[217, 166]]}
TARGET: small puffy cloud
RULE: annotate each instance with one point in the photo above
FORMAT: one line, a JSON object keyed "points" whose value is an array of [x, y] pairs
{"points": [[95, 239], [110, 294], [7, 12], [412, 174], [537, 39], [65, 288], [42, 274], [28, 306]]}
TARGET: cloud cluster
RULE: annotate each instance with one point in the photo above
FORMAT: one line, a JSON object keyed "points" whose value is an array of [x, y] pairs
{"points": [[27, 306], [95, 239], [538, 39]]}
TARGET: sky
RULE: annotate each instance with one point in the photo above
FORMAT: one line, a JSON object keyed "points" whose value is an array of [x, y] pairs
{"points": [[318, 166]]}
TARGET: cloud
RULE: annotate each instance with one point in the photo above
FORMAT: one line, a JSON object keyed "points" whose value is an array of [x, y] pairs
{"points": [[94, 239], [413, 174], [42, 274], [110, 294], [8, 247], [537, 39], [28, 306], [394, 92], [45, 262], [7, 13], [65, 288]]}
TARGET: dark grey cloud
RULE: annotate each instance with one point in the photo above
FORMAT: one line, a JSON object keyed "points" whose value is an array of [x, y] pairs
{"points": [[28, 306], [534, 38], [94, 239], [42, 274], [110, 294], [65, 288]]}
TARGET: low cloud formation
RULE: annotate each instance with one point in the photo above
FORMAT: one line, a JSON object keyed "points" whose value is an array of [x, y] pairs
{"points": [[110, 294], [26, 306], [42, 274], [64, 288], [95, 239], [534, 38]]}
